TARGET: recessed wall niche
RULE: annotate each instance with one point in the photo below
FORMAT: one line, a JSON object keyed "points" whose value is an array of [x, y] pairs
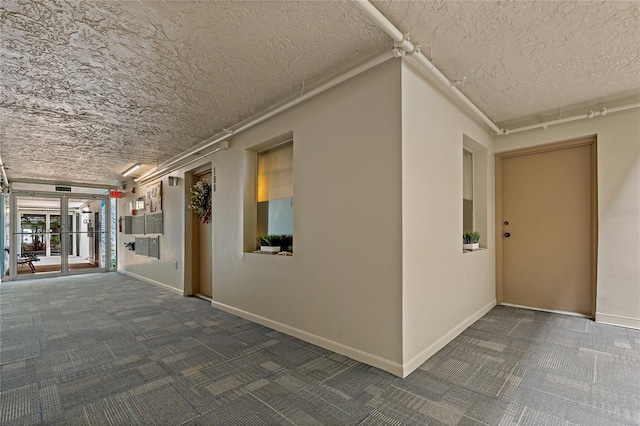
{"points": [[479, 188]]}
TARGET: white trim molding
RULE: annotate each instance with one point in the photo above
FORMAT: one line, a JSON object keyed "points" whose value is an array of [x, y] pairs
{"points": [[431, 350], [150, 281], [206, 147], [358, 355], [618, 320]]}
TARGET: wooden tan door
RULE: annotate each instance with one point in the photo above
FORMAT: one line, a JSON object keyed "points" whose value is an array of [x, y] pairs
{"points": [[203, 263], [547, 228]]}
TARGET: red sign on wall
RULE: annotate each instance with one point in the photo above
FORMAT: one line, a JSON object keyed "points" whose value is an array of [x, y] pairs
{"points": [[115, 194]]}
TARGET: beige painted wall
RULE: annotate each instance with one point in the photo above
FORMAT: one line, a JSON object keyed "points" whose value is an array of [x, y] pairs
{"points": [[618, 138], [443, 290], [342, 287], [162, 271]]}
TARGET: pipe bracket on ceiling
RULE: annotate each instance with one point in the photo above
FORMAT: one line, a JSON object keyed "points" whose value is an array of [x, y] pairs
{"points": [[415, 51], [404, 47], [459, 81], [588, 115]]}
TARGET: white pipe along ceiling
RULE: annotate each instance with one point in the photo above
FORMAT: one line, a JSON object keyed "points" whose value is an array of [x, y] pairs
{"points": [[183, 96], [404, 47], [202, 149], [590, 114]]}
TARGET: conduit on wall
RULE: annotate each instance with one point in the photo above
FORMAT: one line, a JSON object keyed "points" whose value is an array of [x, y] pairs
{"points": [[590, 114], [404, 47], [178, 161], [206, 147]]}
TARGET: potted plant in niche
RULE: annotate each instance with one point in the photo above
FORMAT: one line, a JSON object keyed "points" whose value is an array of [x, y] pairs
{"points": [[269, 243], [470, 240], [274, 243], [286, 243]]}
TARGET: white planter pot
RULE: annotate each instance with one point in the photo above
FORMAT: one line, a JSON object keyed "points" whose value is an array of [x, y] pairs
{"points": [[474, 246], [270, 249]]}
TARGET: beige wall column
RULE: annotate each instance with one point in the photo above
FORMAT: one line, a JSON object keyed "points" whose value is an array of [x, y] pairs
{"points": [[444, 290]]}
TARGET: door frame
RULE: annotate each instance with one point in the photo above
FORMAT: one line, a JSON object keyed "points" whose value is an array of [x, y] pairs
{"points": [[65, 230], [499, 157], [190, 226]]}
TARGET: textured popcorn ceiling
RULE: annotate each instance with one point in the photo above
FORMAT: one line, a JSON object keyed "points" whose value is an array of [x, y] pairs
{"points": [[90, 88], [521, 58]]}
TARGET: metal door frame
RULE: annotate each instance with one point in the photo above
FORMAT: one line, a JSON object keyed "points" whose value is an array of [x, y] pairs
{"points": [[65, 231], [589, 140]]}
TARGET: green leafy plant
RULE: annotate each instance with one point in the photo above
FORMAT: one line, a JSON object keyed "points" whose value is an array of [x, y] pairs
{"points": [[55, 241], [470, 237], [201, 201], [266, 240], [36, 223], [275, 240]]}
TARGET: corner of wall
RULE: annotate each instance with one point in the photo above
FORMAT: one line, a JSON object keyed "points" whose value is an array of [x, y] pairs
{"points": [[444, 289], [410, 366]]}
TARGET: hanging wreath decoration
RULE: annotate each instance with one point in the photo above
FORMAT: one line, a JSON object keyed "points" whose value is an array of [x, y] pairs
{"points": [[201, 201]]}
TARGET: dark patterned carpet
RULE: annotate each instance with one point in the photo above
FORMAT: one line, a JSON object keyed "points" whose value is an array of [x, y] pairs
{"points": [[107, 349]]}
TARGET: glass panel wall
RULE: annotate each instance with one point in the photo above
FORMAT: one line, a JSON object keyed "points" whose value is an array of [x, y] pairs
{"points": [[4, 235], [86, 217], [114, 253], [37, 235], [57, 234]]}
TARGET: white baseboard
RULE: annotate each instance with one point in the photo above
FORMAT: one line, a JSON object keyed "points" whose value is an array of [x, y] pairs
{"points": [[154, 282], [419, 359], [618, 320], [358, 355]]}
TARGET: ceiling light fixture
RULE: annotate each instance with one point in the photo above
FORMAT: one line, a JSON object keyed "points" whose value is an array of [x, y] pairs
{"points": [[130, 169]]}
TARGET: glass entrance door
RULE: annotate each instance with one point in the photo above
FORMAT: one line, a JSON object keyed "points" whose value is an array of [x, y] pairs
{"points": [[37, 228], [58, 235], [87, 234]]}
